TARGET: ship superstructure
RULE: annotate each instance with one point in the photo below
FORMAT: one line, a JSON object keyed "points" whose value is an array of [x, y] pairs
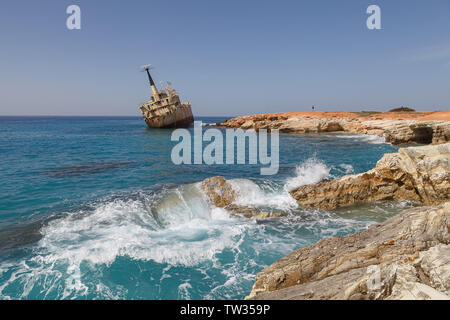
{"points": [[165, 110]]}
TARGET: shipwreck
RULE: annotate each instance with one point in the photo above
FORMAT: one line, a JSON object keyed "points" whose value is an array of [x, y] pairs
{"points": [[165, 110]]}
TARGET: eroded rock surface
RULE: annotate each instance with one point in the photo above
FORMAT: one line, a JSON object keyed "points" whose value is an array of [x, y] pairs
{"points": [[405, 257], [219, 191], [420, 174], [221, 194], [397, 128]]}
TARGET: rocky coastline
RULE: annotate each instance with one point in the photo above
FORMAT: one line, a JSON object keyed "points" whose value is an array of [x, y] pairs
{"points": [[406, 256], [396, 128], [418, 174]]}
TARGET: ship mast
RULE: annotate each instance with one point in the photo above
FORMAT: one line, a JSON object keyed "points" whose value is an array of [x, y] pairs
{"points": [[155, 92]]}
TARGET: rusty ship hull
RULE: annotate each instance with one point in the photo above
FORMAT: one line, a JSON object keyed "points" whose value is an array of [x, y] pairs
{"points": [[179, 116], [165, 110]]}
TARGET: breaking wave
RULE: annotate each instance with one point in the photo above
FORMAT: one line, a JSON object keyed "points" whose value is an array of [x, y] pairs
{"points": [[309, 172], [176, 228], [266, 195], [175, 241]]}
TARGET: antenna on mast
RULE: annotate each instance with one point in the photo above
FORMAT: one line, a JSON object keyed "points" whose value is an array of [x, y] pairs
{"points": [[146, 68]]}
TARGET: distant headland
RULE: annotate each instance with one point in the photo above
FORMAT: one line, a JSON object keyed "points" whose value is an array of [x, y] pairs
{"points": [[396, 127]]}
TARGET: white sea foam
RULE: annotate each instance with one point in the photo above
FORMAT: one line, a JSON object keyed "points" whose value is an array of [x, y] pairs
{"points": [[347, 168], [372, 139], [309, 172], [126, 228], [176, 228], [250, 194], [116, 229], [183, 291]]}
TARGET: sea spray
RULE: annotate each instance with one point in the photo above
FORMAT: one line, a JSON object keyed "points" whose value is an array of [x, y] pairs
{"points": [[248, 193], [309, 172], [107, 234], [175, 229], [187, 246]]}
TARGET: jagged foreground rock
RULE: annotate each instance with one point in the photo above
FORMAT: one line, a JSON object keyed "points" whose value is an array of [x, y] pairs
{"points": [[406, 257], [420, 174], [397, 129]]}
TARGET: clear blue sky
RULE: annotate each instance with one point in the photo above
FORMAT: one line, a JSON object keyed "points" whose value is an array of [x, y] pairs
{"points": [[225, 57]]}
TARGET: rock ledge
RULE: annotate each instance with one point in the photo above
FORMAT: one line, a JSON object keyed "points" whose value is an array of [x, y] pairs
{"points": [[397, 128], [419, 174], [405, 257]]}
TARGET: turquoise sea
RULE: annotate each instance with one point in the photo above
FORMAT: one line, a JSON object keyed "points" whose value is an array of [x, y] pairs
{"points": [[93, 208]]}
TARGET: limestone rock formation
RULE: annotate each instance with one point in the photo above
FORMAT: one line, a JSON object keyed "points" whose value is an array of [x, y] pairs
{"points": [[405, 257], [397, 128], [420, 174], [219, 191], [221, 194]]}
